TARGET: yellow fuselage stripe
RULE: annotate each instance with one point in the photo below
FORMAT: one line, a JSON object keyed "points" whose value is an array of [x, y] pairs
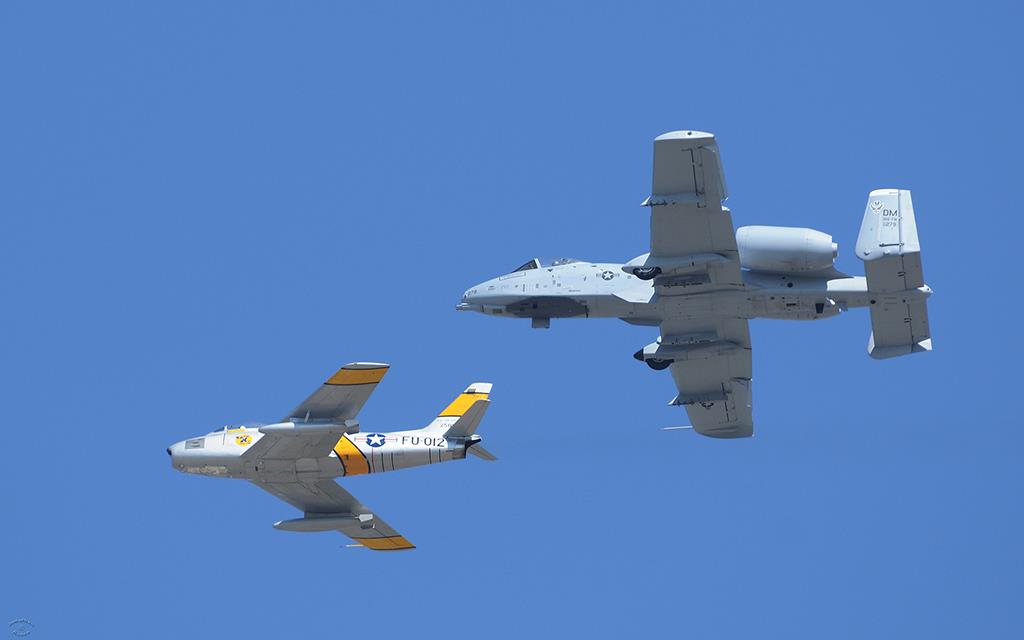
{"points": [[351, 457]]}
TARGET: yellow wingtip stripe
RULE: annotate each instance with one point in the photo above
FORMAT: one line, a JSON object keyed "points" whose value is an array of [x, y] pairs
{"points": [[462, 404], [357, 376], [389, 543]]}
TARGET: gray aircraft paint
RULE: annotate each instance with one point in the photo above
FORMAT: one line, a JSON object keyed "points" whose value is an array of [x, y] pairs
{"points": [[701, 283], [298, 458]]}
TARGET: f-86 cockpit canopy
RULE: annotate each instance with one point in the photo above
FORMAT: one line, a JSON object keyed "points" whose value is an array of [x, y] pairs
{"points": [[236, 427], [544, 263]]}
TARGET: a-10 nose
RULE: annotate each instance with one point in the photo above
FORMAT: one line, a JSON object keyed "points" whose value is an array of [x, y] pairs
{"points": [[173, 451], [467, 303]]}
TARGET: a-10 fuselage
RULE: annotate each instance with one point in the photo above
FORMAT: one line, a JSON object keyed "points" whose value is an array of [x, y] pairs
{"points": [[605, 290]]}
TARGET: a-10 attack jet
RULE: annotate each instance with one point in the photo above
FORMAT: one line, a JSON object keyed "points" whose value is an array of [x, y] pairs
{"points": [[298, 458], [701, 283]]}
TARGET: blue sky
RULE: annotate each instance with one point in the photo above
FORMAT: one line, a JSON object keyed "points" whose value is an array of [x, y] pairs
{"points": [[205, 209]]}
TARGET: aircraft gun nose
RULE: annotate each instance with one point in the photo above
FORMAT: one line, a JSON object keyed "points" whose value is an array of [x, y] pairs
{"points": [[467, 304], [173, 451]]}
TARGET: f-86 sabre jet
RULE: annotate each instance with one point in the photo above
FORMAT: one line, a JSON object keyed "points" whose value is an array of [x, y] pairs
{"points": [[298, 458], [701, 283]]}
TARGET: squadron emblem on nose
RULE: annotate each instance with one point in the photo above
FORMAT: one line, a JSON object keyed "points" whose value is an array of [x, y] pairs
{"points": [[243, 441]]}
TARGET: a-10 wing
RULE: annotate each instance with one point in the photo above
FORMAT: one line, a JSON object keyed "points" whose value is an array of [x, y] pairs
{"points": [[712, 371], [687, 216], [694, 244]]}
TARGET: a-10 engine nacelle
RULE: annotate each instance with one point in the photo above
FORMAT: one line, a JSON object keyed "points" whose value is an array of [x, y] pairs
{"points": [[785, 249]]}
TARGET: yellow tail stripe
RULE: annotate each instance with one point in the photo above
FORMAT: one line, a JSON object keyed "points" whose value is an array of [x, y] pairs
{"points": [[390, 543], [357, 376], [462, 404], [351, 457]]}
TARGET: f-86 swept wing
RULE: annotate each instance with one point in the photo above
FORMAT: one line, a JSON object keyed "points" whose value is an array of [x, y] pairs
{"points": [[328, 507], [336, 402], [325, 505]]}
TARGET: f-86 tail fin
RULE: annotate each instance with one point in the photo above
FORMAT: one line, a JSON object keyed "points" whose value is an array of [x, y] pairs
{"points": [[466, 425], [463, 413], [460, 419], [891, 252]]}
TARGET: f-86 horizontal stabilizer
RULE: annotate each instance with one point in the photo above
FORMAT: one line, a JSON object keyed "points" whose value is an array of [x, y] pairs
{"points": [[891, 252]]}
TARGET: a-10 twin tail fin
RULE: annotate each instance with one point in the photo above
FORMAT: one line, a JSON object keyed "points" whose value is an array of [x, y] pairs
{"points": [[891, 252]]}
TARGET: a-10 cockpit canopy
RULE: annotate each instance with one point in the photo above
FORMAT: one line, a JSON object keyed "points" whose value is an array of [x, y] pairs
{"points": [[544, 263]]}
